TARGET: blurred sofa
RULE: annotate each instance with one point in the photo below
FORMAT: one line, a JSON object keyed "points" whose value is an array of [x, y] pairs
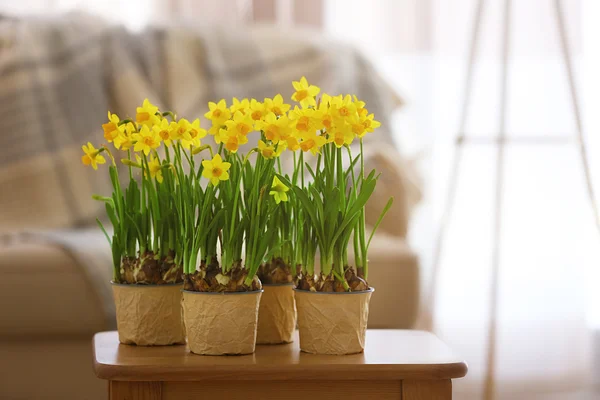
{"points": [[57, 79]]}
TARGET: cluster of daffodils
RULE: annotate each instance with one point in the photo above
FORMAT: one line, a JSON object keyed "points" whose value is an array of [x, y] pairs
{"points": [[220, 215]]}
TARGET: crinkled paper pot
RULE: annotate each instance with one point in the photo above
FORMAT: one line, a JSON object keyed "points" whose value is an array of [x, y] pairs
{"points": [[332, 323], [276, 315], [221, 323], [149, 315]]}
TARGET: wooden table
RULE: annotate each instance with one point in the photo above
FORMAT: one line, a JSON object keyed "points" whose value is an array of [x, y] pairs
{"points": [[396, 364]]}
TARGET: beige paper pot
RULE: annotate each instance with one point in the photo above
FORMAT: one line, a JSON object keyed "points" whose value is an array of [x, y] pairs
{"points": [[332, 323], [149, 315], [221, 323], [276, 315]]}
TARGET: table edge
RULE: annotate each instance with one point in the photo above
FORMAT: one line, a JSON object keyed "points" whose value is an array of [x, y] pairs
{"points": [[316, 372], [380, 372]]}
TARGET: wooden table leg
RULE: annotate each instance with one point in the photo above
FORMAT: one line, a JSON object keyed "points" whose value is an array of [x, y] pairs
{"points": [[118, 390], [427, 390]]}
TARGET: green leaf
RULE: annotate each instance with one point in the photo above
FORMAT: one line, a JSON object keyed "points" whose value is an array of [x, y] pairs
{"points": [[366, 191], [135, 224], [104, 231], [102, 198], [110, 211], [274, 249], [308, 207], [383, 212], [310, 171], [285, 180], [331, 212], [316, 200], [215, 220]]}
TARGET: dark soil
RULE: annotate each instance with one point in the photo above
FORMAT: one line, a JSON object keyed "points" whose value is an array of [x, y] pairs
{"points": [[210, 278], [150, 270], [328, 283], [275, 272]]}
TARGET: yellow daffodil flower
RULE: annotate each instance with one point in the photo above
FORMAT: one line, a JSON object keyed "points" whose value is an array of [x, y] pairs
{"points": [[215, 128], [369, 123], [276, 105], [163, 129], [343, 108], [360, 107], [123, 141], [325, 101], [192, 135], [270, 151], [232, 143], [155, 169], [180, 130], [323, 116], [146, 114], [358, 129], [257, 110], [342, 135], [146, 140], [333, 100], [279, 191], [305, 93], [174, 132], [196, 131], [291, 143], [275, 129], [111, 128], [220, 135], [241, 124], [231, 139], [216, 170], [239, 106], [218, 113], [92, 156], [302, 120], [312, 142]]}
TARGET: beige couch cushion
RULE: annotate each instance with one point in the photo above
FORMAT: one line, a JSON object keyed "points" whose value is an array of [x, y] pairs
{"points": [[394, 273], [398, 180], [44, 293], [49, 369]]}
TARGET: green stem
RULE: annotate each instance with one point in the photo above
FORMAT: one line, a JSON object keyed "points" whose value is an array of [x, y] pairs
{"points": [[142, 239], [130, 172], [361, 228], [302, 170]]}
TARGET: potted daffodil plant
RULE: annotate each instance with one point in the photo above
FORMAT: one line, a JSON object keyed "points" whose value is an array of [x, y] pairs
{"points": [[144, 239], [328, 216], [228, 231]]}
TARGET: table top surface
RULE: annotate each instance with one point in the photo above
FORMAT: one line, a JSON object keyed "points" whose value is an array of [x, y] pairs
{"points": [[388, 355]]}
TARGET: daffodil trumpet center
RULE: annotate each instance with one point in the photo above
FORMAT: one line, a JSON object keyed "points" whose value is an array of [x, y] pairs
{"points": [[301, 94]]}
